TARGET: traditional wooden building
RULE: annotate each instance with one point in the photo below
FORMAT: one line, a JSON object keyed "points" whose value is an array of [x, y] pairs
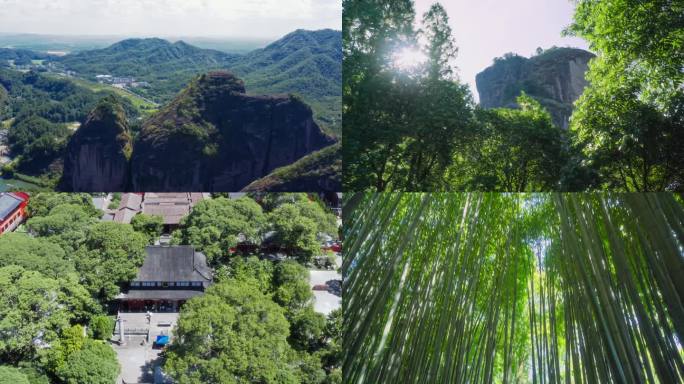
{"points": [[169, 277], [12, 210]]}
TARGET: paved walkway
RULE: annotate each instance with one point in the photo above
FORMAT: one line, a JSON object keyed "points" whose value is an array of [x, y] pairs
{"points": [[325, 302], [136, 356]]}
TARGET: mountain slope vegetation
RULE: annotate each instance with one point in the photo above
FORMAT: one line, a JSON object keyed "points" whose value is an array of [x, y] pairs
{"points": [[318, 171]]}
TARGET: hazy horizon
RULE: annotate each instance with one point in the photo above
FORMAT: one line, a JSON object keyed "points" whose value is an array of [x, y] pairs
{"points": [[257, 20], [485, 29], [160, 36]]}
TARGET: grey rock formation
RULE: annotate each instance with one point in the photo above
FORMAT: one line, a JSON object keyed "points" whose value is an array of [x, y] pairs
{"points": [[214, 137], [211, 137], [556, 78], [96, 158]]}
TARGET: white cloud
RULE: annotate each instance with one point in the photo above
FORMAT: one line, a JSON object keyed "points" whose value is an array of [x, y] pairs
{"points": [[242, 18]]}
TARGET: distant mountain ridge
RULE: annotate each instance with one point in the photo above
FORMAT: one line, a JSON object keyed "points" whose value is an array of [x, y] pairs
{"points": [[308, 63], [315, 54], [134, 57]]}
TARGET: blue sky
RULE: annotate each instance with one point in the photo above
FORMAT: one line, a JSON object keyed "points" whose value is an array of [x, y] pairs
{"points": [[485, 29], [258, 19]]}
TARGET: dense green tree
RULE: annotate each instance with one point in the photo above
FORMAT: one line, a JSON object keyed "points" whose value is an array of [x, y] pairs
{"points": [[309, 206], [295, 232], [102, 327], [214, 226], [110, 255], [306, 330], [249, 269], [26, 131], [372, 32], [443, 110], [631, 145], [403, 126], [292, 291], [513, 150], [232, 331], [34, 254], [150, 226], [91, 362], [33, 310], [12, 375], [65, 225], [271, 201], [334, 377], [70, 340], [309, 370], [636, 41], [441, 48], [42, 203], [331, 353], [325, 221], [629, 121]]}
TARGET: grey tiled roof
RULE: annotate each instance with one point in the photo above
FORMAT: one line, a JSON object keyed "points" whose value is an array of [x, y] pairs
{"points": [[175, 263], [8, 203]]}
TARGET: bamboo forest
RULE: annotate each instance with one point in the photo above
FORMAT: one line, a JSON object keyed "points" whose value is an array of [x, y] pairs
{"points": [[513, 288]]}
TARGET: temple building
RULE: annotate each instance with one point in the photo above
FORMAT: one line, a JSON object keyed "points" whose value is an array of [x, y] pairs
{"points": [[169, 277], [172, 207]]}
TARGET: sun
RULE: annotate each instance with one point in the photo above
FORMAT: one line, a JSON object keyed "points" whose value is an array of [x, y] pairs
{"points": [[409, 58]]}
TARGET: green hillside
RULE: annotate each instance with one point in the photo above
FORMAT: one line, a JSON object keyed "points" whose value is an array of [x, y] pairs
{"points": [[319, 171], [39, 111]]}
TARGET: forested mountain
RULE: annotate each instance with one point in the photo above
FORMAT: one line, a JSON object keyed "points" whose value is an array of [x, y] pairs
{"points": [[211, 137], [144, 57], [307, 63], [58, 100], [64, 90]]}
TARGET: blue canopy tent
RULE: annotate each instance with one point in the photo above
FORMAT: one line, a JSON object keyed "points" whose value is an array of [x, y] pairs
{"points": [[162, 340]]}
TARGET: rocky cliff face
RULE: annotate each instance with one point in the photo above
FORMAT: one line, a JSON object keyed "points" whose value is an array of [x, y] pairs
{"points": [[214, 137], [96, 158], [555, 78]]}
